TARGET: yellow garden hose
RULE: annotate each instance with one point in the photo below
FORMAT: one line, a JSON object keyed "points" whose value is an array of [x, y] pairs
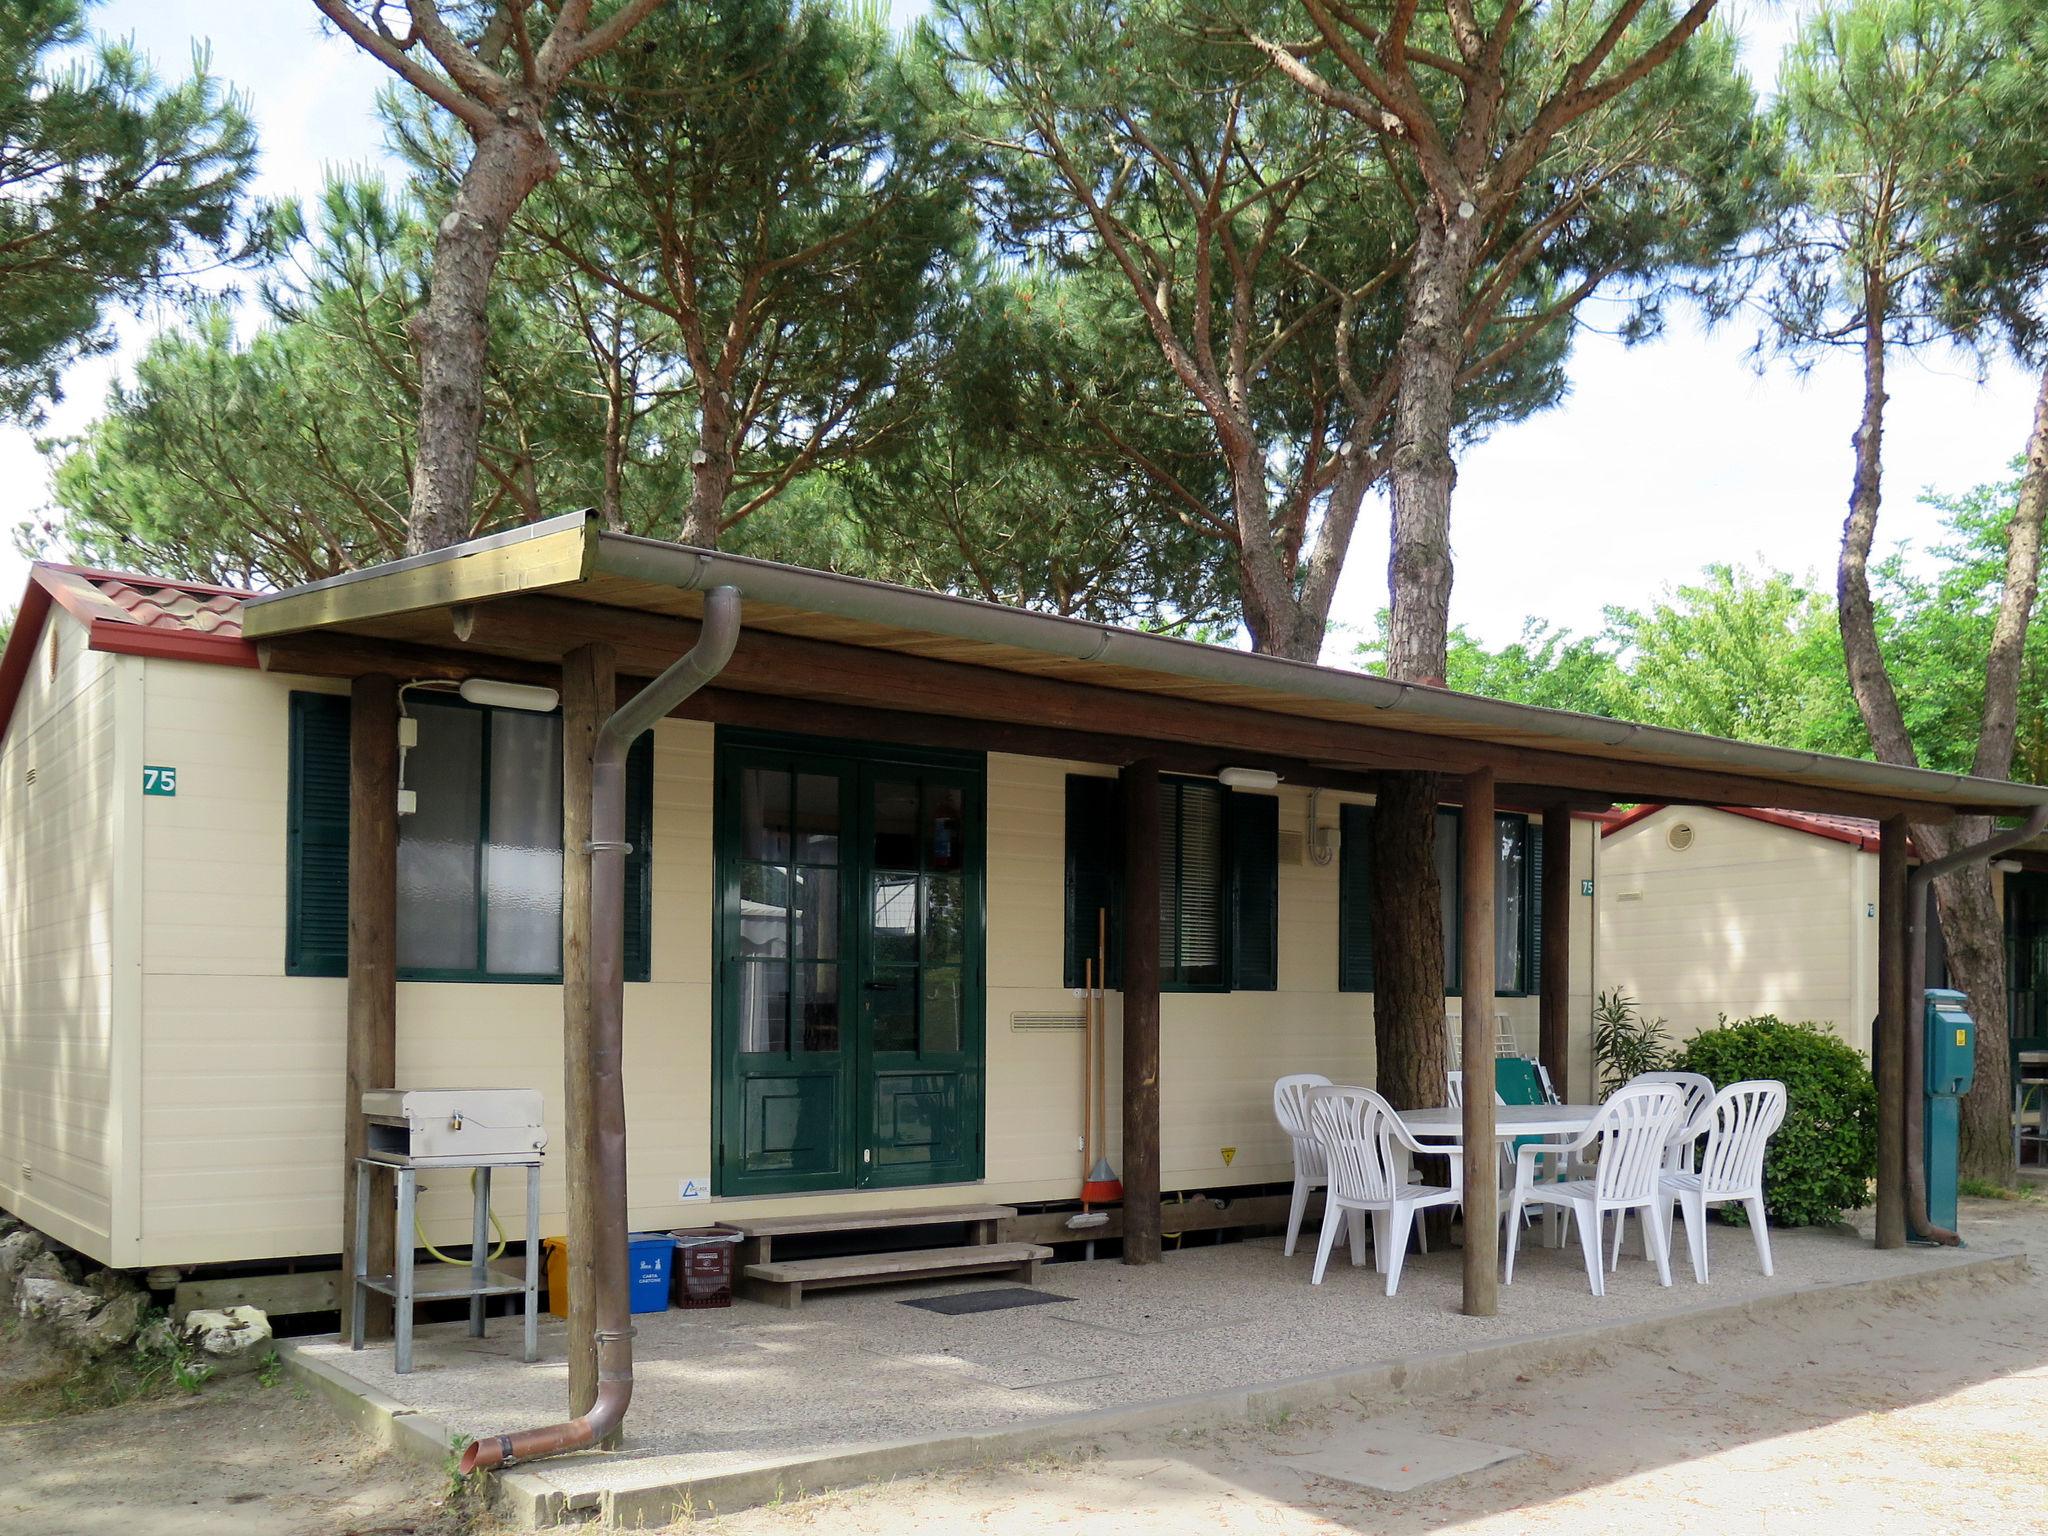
{"points": [[420, 1232]]}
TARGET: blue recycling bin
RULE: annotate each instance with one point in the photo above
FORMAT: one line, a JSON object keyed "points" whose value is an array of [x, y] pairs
{"points": [[648, 1256]]}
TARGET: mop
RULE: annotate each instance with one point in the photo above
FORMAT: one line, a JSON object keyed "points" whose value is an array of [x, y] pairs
{"points": [[1085, 1218]]}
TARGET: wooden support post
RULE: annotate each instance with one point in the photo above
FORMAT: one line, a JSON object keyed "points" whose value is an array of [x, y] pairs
{"points": [[1476, 859], [1554, 986], [589, 695], [1141, 1013], [1892, 1037], [372, 1060]]}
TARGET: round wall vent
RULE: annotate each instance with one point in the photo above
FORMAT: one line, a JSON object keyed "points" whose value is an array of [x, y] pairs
{"points": [[1680, 836]]}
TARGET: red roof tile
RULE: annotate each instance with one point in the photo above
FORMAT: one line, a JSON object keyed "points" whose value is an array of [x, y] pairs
{"points": [[1859, 831], [126, 613]]}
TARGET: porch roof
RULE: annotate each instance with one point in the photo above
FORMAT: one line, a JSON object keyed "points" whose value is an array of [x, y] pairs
{"points": [[518, 602]]}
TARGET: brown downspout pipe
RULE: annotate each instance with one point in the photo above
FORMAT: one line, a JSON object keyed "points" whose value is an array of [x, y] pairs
{"points": [[608, 848], [1919, 897]]}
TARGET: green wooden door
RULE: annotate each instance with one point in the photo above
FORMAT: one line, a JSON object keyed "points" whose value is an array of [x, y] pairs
{"points": [[918, 1115], [849, 1041]]}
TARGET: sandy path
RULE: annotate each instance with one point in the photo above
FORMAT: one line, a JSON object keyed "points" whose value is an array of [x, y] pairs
{"points": [[1924, 1416]]}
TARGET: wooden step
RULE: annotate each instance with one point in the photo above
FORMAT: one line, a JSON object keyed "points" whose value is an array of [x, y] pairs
{"points": [[758, 1234], [866, 1221], [785, 1282]]}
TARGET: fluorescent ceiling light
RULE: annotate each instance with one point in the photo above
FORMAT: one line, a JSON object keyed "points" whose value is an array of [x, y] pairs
{"points": [[1250, 778], [486, 690]]}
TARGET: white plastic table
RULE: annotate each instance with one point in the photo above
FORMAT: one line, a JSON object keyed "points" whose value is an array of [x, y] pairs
{"points": [[1446, 1124]]}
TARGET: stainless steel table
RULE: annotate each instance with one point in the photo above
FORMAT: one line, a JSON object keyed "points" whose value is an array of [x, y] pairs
{"points": [[476, 1280]]}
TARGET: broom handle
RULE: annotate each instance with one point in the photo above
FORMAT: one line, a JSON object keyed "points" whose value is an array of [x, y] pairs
{"points": [[1102, 1029], [1087, 1065]]}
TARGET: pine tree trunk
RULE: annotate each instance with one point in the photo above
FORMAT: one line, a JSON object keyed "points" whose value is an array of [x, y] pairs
{"points": [[1409, 1039], [711, 472], [1971, 924], [1408, 933], [451, 331]]}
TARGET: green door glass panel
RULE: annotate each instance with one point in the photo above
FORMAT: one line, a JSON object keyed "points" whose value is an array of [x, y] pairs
{"points": [[919, 1076], [849, 1047], [784, 1095]]}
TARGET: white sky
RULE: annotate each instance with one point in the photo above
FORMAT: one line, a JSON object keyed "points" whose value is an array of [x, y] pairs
{"points": [[1663, 458]]}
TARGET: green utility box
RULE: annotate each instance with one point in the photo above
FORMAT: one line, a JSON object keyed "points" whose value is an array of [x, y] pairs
{"points": [[1951, 1068]]}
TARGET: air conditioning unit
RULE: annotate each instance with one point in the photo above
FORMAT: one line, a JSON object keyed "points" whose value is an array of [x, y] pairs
{"points": [[454, 1127]]}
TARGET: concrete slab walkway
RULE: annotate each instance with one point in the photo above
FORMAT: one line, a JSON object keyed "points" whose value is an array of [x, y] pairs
{"points": [[740, 1406]]}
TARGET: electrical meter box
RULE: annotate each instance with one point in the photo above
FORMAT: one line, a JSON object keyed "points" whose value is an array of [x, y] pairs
{"points": [[454, 1127], [1951, 1043]]}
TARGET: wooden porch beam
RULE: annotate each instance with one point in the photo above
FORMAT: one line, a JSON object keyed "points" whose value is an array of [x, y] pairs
{"points": [[539, 629], [1476, 860], [1140, 784], [589, 694], [372, 1049], [1554, 985], [1893, 1035]]}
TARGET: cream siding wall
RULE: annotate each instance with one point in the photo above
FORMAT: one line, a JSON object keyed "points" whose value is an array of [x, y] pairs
{"points": [[62, 1046], [1752, 918], [242, 1094]]}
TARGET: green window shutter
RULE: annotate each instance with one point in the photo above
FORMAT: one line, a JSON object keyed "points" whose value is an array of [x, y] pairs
{"points": [[1532, 906], [640, 862], [316, 837], [1095, 860], [1252, 830], [1354, 899]]}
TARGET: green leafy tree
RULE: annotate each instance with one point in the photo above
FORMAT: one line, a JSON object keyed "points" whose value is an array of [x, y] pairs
{"points": [[115, 189], [762, 186], [497, 67], [1546, 153], [1915, 218], [284, 455]]}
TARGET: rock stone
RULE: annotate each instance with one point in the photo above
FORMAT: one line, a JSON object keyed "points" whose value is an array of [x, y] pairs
{"points": [[231, 1339], [16, 1249], [40, 1298], [159, 1336], [113, 1326]]}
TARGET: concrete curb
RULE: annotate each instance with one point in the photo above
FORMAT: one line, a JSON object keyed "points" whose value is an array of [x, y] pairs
{"points": [[533, 1500]]}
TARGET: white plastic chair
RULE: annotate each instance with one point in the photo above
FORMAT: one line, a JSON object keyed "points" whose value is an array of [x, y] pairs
{"points": [[1358, 1133], [1290, 1108], [1454, 1085], [1630, 1132], [1739, 1122], [1698, 1089]]}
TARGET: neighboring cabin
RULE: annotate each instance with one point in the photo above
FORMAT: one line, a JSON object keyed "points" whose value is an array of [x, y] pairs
{"points": [[1705, 911]]}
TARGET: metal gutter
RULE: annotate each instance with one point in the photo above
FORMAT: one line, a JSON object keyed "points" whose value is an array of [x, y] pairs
{"points": [[586, 549], [608, 849], [849, 597]]}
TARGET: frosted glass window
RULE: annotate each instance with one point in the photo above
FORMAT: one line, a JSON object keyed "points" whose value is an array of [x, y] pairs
{"points": [[523, 858], [437, 844]]}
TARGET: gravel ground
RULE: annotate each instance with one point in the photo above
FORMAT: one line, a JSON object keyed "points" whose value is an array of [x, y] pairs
{"points": [[1924, 1415], [724, 1390]]}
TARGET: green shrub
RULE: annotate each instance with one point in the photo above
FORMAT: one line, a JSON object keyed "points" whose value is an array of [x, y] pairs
{"points": [[1626, 1042], [1824, 1156]]}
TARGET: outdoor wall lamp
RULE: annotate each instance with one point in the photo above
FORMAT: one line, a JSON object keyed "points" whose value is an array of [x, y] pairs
{"points": [[485, 690], [1250, 778]]}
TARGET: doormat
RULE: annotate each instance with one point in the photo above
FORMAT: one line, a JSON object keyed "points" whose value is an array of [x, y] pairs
{"points": [[998, 1299]]}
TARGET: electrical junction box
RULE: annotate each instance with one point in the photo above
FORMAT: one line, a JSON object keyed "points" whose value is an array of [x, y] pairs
{"points": [[454, 1127], [1951, 1043]]}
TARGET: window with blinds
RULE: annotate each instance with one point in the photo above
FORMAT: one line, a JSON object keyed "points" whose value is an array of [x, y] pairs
{"points": [[1517, 901], [1191, 922], [1219, 882]]}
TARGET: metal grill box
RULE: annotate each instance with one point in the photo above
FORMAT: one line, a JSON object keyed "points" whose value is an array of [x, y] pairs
{"points": [[454, 1127]]}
